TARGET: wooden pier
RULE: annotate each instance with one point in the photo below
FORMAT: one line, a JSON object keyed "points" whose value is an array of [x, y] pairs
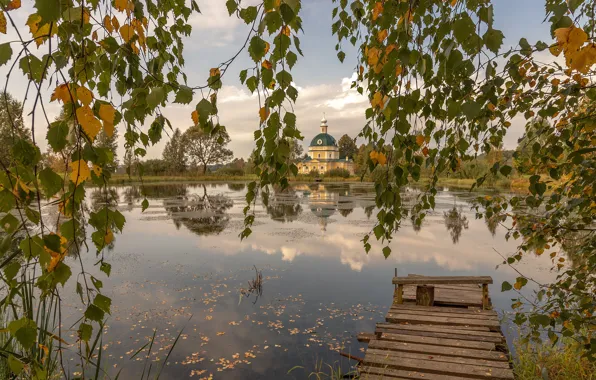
{"points": [[438, 328]]}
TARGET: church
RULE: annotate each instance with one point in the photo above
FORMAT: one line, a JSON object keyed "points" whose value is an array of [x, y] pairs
{"points": [[323, 154]]}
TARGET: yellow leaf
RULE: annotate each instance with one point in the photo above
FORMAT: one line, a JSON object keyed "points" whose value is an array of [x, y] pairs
{"points": [[115, 23], [398, 70], [378, 157], [453, 3], [555, 82], [108, 128], [80, 171], [286, 30], [507, 124], [491, 106], [124, 5], [88, 121], [377, 100], [517, 285], [145, 23], [266, 64], [382, 35], [97, 170], [263, 114], [107, 23], [214, 72], [109, 236], [43, 32], [377, 10], [32, 22], [107, 113], [14, 4], [94, 35], [127, 32], [2, 23], [84, 95], [420, 140], [267, 46], [62, 93], [195, 117], [220, 333], [373, 56]]}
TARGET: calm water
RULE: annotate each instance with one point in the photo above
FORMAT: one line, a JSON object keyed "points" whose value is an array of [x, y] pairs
{"points": [[180, 265]]}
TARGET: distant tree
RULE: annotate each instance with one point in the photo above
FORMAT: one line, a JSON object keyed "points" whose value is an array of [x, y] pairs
{"points": [[205, 149], [130, 162], [347, 147], [11, 125], [155, 166], [296, 150], [110, 143], [362, 158], [173, 153]]}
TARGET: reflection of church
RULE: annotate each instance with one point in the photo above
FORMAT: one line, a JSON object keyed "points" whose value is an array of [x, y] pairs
{"points": [[323, 204], [323, 154]]}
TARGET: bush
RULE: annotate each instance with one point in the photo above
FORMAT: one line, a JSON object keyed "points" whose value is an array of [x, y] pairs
{"points": [[339, 172], [230, 171], [314, 173]]}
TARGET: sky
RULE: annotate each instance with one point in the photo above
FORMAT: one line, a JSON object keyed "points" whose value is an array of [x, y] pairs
{"points": [[323, 82]]}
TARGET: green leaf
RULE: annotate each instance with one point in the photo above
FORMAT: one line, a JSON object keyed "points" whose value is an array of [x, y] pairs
{"points": [[471, 109], [94, 313], [62, 273], [505, 286], [15, 365], [49, 10], [103, 302], [256, 48], [50, 182], [287, 13], [341, 56], [291, 58], [204, 108], [155, 98], [248, 14], [7, 201], [57, 134], [463, 27], [32, 247], [379, 231], [232, 6], [85, 331], [25, 152], [243, 75], [106, 268], [9, 223], [11, 270], [505, 170], [52, 242], [24, 330], [97, 283], [493, 39], [184, 95], [5, 53], [145, 204], [386, 252]]}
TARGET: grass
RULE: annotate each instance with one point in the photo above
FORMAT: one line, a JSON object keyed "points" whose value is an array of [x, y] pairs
{"points": [[545, 362]]}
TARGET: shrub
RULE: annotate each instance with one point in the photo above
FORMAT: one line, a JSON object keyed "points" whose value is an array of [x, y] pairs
{"points": [[339, 172], [230, 171], [314, 173]]}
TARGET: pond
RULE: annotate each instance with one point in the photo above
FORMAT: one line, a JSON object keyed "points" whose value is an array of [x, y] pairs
{"points": [[180, 267]]}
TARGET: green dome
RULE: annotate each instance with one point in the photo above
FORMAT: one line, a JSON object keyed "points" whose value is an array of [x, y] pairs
{"points": [[323, 139]]}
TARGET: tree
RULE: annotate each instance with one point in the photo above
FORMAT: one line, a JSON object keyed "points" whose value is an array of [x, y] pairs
{"points": [[173, 153], [347, 147], [204, 149], [296, 150], [110, 145], [11, 126]]}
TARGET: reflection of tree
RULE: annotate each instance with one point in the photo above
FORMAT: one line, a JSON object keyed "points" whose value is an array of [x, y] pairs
{"points": [[368, 210], [100, 198], [284, 206], [202, 214], [455, 222], [491, 223], [417, 227], [236, 186], [345, 211]]}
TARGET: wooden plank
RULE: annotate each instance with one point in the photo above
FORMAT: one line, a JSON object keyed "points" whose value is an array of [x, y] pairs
{"points": [[485, 302], [456, 310], [498, 340], [432, 320], [414, 313], [367, 372], [422, 327], [456, 285], [428, 349], [397, 356], [443, 280], [437, 367], [434, 341], [366, 337]]}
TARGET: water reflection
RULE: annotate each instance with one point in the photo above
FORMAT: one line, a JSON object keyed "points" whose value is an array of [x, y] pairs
{"points": [[203, 214], [284, 206], [456, 222]]}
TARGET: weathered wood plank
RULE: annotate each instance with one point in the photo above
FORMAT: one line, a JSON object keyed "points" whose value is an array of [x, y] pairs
{"points": [[443, 280], [414, 313], [366, 337], [434, 320], [491, 339], [445, 342], [437, 367], [456, 310], [422, 327], [397, 356], [429, 349], [367, 372]]}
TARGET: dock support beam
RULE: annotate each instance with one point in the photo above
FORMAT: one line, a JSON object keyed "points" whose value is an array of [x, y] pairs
{"points": [[485, 296], [425, 295]]}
